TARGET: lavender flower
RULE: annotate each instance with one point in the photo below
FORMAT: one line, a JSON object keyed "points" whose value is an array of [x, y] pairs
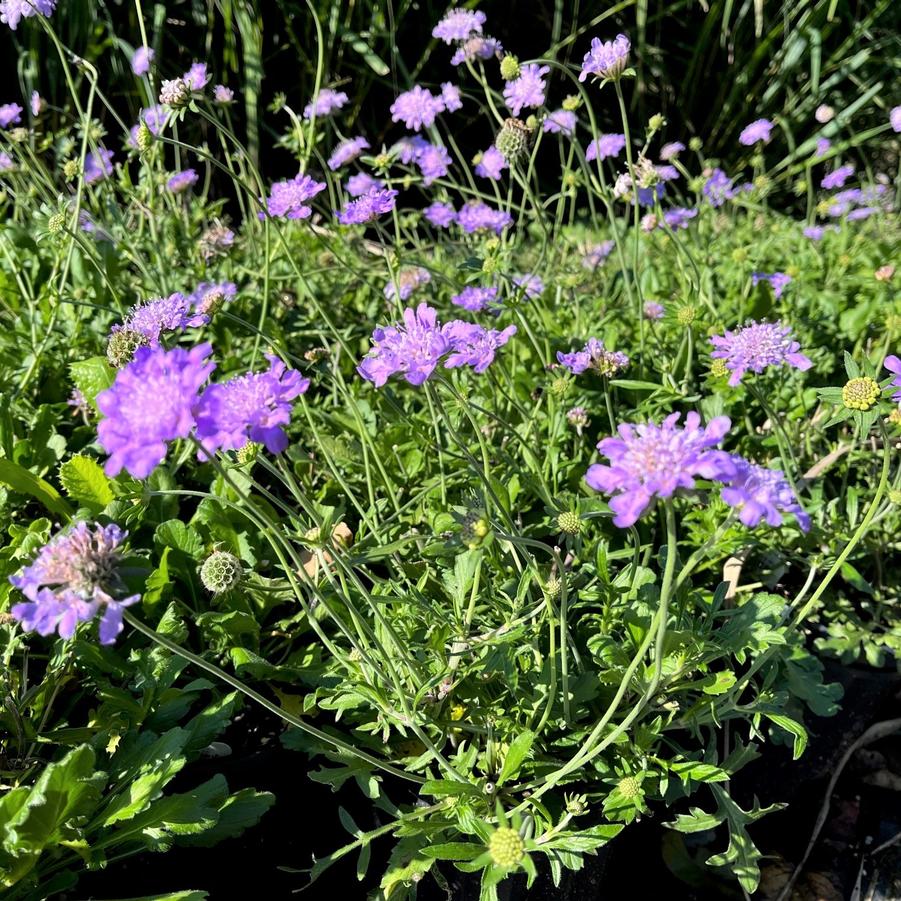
{"points": [[761, 494], [412, 348], [837, 178], [70, 581], [459, 25], [778, 281], [154, 117], [597, 253], [441, 215], [666, 173], [718, 188], [760, 130], [13, 11], [417, 108], [346, 152], [475, 216], [141, 60], [651, 461], [653, 310], [679, 217], [324, 104], [181, 181], [476, 47], [491, 164], [528, 90], [289, 199], [823, 145], [594, 356], [450, 96], [757, 346], [530, 285], [252, 407], [561, 121], [150, 403], [160, 314], [6, 162], [671, 151], [368, 207], [222, 94], [98, 165], [408, 280], [814, 232], [207, 298], [10, 114], [607, 59], [475, 298], [433, 161], [895, 118], [197, 77], [473, 345], [363, 183], [893, 364], [605, 147]]}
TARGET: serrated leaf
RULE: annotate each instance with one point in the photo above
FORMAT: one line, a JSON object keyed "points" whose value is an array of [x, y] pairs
{"points": [[85, 482], [91, 377]]}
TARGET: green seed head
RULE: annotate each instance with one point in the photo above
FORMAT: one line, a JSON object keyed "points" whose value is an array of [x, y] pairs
{"points": [[860, 393], [56, 223], [220, 572], [513, 140], [122, 344], [506, 848], [510, 68], [656, 122], [569, 522], [553, 587]]}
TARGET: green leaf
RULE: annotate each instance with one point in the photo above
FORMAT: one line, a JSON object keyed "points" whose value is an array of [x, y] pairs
{"points": [[175, 534], [239, 812], [91, 377], [85, 482], [516, 754], [793, 727], [20, 479], [454, 851]]}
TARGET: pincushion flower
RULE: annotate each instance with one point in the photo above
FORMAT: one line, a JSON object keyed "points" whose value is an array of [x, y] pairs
{"points": [[13, 11], [473, 345], [36, 104], [593, 356], [197, 77], [895, 118], [367, 207], [605, 147], [757, 346], [653, 310], [649, 461], [150, 403], [441, 215], [759, 131], [560, 121], [530, 285], [814, 232], [824, 113], [324, 104], [433, 161], [10, 114], [778, 281], [491, 164], [289, 199], [71, 580], [822, 148], [838, 177], [719, 188], [606, 60], [417, 108], [475, 216], [671, 151], [679, 217], [141, 60], [476, 47], [408, 280], [528, 90], [363, 183], [893, 365], [98, 165], [346, 152], [160, 314], [251, 407], [760, 494], [475, 298], [597, 253], [223, 94], [459, 25], [181, 181], [207, 298], [450, 97], [6, 162]]}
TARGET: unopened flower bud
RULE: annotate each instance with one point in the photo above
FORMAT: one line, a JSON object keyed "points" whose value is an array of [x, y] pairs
{"points": [[175, 93], [510, 70], [695, 144], [506, 848], [569, 522]]}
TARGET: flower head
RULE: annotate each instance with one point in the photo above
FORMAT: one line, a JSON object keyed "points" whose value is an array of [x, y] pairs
{"points": [[606, 60], [368, 207], [761, 494], [757, 346], [860, 393], [408, 280], [649, 461], [441, 215], [251, 407], [13, 11], [476, 298], [417, 108], [530, 285], [36, 103], [605, 147], [70, 581], [153, 118], [207, 298], [895, 118], [476, 47], [491, 164], [893, 365], [838, 177], [528, 90], [289, 199], [475, 216], [363, 183], [671, 151], [150, 403], [560, 121], [181, 181], [719, 188], [759, 131], [223, 94], [346, 152], [594, 356], [679, 217], [324, 104], [597, 253], [472, 345], [459, 25], [10, 114], [141, 60], [450, 96], [98, 165], [153, 317], [778, 281], [822, 148], [653, 310], [197, 77]]}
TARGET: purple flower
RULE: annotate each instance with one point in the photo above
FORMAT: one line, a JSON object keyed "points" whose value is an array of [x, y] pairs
{"points": [[408, 280], [607, 59], [37, 104], [459, 25], [597, 253], [650, 461], [561, 121], [98, 165], [367, 207], [207, 298], [473, 345], [475, 216], [441, 215], [758, 130], [530, 285], [141, 60], [150, 403], [412, 348], [863, 212], [197, 77], [416, 108], [324, 104], [757, 346], [252, 407], [69, 582], [433, 161], [476, 47], [778, 281], [838, 177], [671, 151], [346, 152], [893, 364], [289, 199], [718, 188], [895, 118], [450, 96], [160, 314], [10, 114], [491, 164], [653, 310], [6, 162], [761, 494], [679, 217], [363, 183], [604, 147], [528, 90], [222, 94], [823, 145], [666, 173], [12, 11], [594, 356], [181, 181], [814, 232], [475, 298]]}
